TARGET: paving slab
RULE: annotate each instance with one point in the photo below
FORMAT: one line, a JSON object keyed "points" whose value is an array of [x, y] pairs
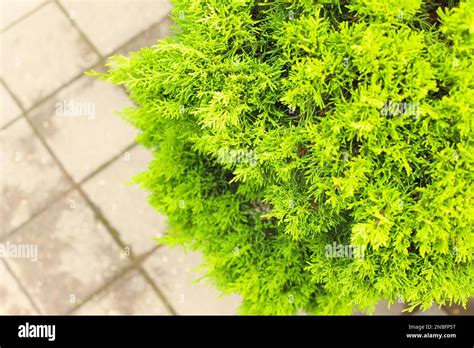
{"points": [[171, 271], [125, 205], [148, 37], [12, 300], [111, 23], [76, 255], [30, 179], [41, 53], [81, 125], [130, 295]]}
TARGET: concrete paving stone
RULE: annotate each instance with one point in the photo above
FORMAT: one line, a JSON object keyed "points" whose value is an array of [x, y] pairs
{"points": [[12, 300], [111, 23], [13, 10], [29, 177], [41, 53], [125, 205], [170, 269], [148, 37], [82, 127], [9, 108], [130, 295], [76, 255]]}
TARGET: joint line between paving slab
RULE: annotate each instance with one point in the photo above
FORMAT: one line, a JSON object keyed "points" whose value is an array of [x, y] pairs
{"points": [[36, 214], [157, 290], [23, 17], [107, 163], [81, 33], [17, 102], [22, 288], [11, 122]]}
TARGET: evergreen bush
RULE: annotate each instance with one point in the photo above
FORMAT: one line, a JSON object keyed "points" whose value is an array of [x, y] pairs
{"points": [[318, 153]]}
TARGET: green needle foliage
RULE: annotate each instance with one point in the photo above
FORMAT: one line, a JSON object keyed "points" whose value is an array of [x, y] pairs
{"points": [[282, 130]]}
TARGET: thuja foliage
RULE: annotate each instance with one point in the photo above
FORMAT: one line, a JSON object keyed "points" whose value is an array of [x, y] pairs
{"points": [[284, 129]]}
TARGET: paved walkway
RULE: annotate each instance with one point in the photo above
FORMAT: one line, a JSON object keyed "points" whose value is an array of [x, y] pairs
{"points": [[65, 160]]}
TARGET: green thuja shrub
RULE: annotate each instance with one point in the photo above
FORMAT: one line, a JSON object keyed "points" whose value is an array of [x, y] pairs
{"points": [[318, 153]]}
